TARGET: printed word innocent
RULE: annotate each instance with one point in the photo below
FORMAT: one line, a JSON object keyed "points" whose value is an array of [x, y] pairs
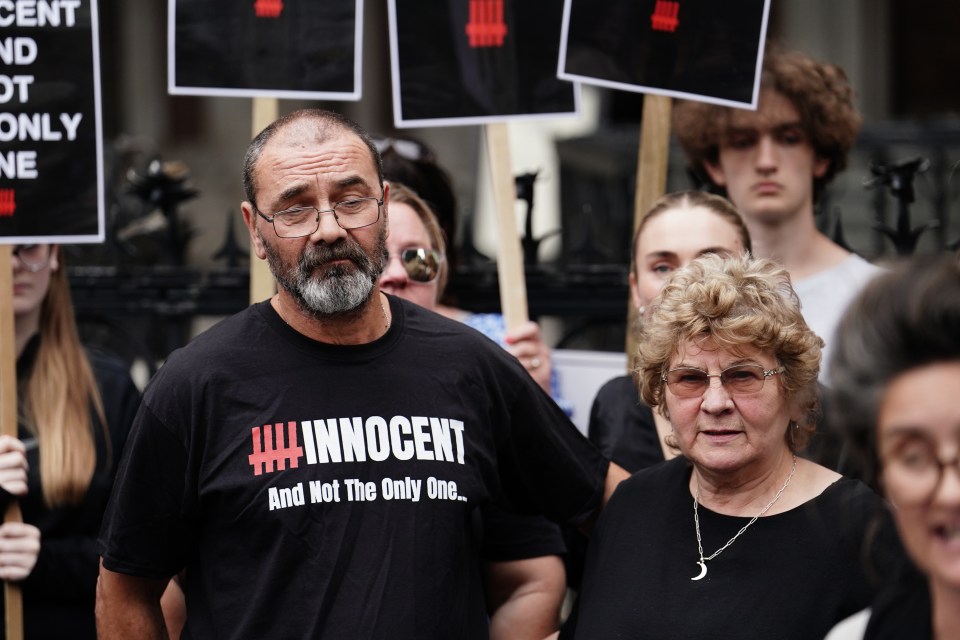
{"points": [[377, 439]]}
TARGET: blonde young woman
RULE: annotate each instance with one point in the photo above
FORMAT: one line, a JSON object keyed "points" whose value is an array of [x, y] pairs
{"points": [[677, 228], [74, 410]]}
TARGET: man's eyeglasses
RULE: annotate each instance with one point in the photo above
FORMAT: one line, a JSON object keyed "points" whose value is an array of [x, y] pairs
{"points": [[421, 264], [298, 222], [912, 470], [689, 382], [33, 257]]}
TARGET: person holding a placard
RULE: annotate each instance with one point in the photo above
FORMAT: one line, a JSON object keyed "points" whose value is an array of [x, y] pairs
{"points": [[739, 537], [414, 164], [524, 571], [895, 380], [314, 462], [75, 409], [774, 163]]}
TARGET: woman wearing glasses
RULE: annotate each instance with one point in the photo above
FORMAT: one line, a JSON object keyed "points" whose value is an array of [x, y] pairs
{"points": [[413, 164], [524, 572], [738, 537], [74, 410], [895, 380], [417, 265], [677, 228]]}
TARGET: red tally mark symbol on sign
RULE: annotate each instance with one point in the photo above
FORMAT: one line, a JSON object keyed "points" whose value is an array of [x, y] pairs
{"points": [[268, 8], [269, 454], [664, 16], [8, 202], [486, 27]]}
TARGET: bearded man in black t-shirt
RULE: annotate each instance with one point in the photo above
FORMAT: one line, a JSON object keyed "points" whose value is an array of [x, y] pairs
{"points": [[312, 464]]}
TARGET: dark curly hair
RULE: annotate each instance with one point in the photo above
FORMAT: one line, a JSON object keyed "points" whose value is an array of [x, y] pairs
{"points": [[821, 94], [904, 319]]}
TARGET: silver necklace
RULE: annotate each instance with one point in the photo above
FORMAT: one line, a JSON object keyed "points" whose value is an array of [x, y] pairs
{"points": [[696, 522]]}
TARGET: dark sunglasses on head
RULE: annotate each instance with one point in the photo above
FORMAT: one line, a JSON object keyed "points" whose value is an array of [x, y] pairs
{"points": [[421, 264], [408, 149]]}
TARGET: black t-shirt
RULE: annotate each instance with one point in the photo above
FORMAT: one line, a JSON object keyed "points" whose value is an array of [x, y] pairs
{"points": [[511, 536], [622, 426], [903, 609], [324, 491], [790, 575]]}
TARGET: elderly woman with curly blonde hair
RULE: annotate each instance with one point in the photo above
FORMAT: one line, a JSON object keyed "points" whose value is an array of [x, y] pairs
{"points": [[738, 537]]}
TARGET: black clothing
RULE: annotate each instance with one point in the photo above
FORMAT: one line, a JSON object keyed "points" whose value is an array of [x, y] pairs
{"points": [[790, 575], [623, 429], [903, 610], [511, 536], [622, 426], [58, 595], [327, 491]]}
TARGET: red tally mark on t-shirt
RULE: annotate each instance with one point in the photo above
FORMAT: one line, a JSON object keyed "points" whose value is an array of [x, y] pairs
{"points": [[664, 16], [268, 8], [8, 202], [269, 454], [486, 27]]}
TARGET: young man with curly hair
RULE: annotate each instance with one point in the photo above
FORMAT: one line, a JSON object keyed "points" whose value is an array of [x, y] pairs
{"points": [[774, 163]]}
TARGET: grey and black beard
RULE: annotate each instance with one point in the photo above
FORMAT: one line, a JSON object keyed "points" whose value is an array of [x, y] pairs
{"points": [[339, 290]]}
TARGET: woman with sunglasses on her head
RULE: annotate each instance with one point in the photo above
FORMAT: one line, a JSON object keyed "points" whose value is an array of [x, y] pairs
{"points": [[895, 380], [525, 579], [412, 163], [74, 410], [737, 537]]}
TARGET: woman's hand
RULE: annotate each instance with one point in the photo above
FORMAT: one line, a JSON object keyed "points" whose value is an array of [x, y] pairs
{"points": [[19, 547], [526, 344], [13, 466]]}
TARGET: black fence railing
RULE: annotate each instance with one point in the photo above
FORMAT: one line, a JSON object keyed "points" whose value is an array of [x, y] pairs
{"points": [[898, 196]]}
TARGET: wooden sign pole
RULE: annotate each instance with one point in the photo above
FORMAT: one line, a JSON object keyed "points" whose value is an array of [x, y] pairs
{"points": [[12, 596], [513, 287], [262, 285], [651, 179]]}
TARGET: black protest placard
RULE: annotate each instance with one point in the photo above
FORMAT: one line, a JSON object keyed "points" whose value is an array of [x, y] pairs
{"points": [[51, 184], [707, 50], [300, 49], [458, 62]]}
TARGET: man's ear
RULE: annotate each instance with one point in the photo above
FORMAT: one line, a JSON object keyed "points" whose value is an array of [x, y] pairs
{"points": [[250, 219], [715, 172], [386, 202]]}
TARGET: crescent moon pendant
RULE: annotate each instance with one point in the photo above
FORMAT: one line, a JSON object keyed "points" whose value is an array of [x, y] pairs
{"points": [[703, 571]]}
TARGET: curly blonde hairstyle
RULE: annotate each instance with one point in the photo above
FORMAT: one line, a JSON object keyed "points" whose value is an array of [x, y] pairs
{"points": [[736, 302], [821, 94]]}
